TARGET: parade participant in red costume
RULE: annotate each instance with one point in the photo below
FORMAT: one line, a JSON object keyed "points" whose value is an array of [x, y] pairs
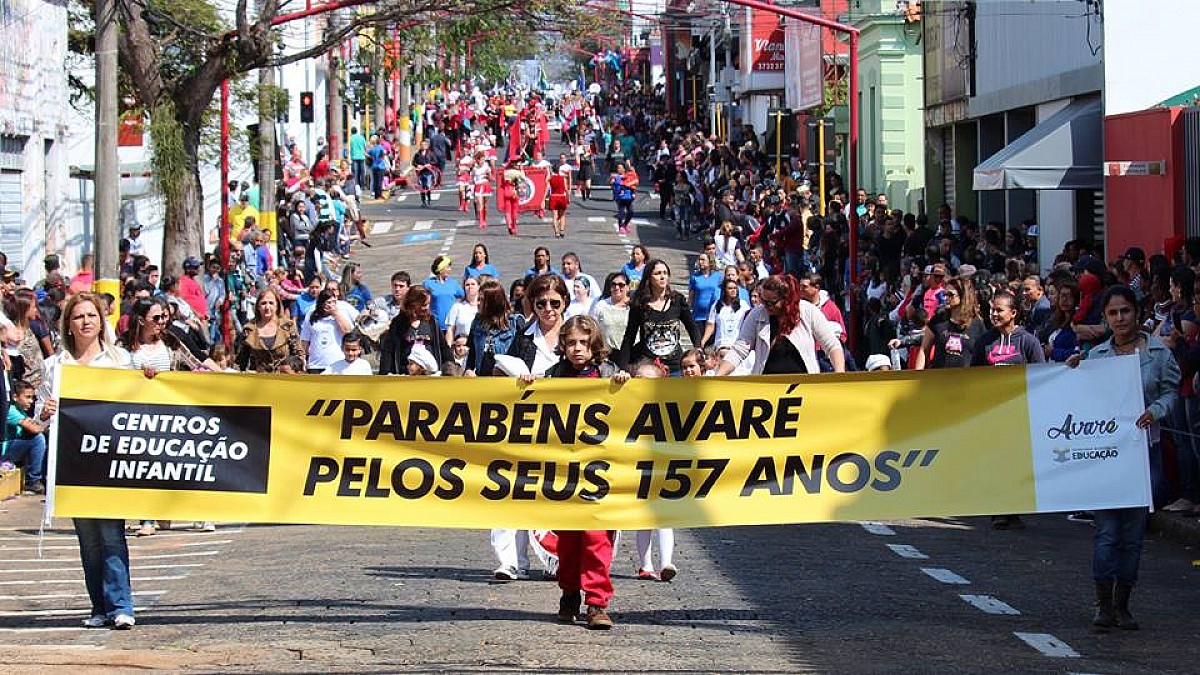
{"points": [[558, 199], [510, 200]]}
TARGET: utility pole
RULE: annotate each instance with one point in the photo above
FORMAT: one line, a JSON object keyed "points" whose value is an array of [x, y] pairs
{"points": [[107, 177], [266, 144], [712, 80]]}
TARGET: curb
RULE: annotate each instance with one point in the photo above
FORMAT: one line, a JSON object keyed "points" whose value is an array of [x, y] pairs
{"points": [[1181, 529]]}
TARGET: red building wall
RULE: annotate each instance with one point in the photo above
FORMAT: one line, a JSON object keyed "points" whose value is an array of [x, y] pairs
{"points": [[1145, 211]]}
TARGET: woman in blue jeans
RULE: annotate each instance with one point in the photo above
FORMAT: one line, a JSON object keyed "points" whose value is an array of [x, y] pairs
{"points": [[102, 548], [1117, 546]]}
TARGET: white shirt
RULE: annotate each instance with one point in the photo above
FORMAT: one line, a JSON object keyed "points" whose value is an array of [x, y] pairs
{"points": [[461, 315], [726, 249], [579, 308], [324, 339], [545, 356], [155, 354], [359, 366], [727, 322]]}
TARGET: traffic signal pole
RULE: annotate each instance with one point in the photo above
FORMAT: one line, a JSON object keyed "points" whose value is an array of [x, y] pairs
{"points": [[852, 137]]}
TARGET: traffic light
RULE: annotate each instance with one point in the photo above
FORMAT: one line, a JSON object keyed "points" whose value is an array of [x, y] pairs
{"points": [[306, 107]]}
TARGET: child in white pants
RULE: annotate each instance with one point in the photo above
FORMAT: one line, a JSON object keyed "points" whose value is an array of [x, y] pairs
{"points": [[666, 554]]}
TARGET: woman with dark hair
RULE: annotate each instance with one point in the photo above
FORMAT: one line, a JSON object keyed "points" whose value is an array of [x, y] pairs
{"points": [[516, 296], [270, 339], [414, 325], [783, 332], [1117, 545], [321, 333], [611, 311], [353, 289], [659, 318], [30, 347], [493, 330], [725, 318], [150, 344], [481, 264]]}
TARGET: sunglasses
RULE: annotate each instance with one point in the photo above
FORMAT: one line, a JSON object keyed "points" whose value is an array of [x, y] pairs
{"points": [[157, 318], [770, 302], [552, 304], [618, 284]]}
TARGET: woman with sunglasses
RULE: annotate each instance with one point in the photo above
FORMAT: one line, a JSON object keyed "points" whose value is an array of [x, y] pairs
{"points": [[783, 332], [948, 340], [549, 296], [152, 346]]}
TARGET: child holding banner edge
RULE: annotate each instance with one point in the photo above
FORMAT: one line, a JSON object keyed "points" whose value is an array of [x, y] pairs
{"points": [[584, 557]]}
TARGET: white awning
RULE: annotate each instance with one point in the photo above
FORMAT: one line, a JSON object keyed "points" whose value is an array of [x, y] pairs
{"points": [[1064, 152]]}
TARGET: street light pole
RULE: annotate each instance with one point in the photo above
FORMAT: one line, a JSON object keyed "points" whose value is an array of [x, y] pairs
{"points": [[108, 174]]}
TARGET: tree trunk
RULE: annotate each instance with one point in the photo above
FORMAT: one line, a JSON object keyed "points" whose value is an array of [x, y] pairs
{"points": [[266, 140], [184, 229]]}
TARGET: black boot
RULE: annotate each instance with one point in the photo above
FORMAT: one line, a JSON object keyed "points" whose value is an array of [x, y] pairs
{"points": [[1105, 617], [568, 607], [1125, 620]]}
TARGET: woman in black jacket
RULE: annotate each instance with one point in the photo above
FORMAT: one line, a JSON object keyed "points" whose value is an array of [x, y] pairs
{"points": [[537, 344], [413, 325], [659, 318]]}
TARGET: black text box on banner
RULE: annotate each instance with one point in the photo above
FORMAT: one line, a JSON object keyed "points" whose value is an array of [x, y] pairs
{"points": [[165, 447]]}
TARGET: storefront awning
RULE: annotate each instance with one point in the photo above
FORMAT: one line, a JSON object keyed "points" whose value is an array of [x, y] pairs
{"points": [[1064, 152]]}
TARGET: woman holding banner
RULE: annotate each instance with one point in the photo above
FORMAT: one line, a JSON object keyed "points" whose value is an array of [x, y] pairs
{"points": [[783, 333], [102, 548], [1117, 545]]}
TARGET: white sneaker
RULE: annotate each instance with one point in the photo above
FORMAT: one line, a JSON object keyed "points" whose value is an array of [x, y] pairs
{"points": [[505, 574], [97, 621], [123, 622], [206, 526]]}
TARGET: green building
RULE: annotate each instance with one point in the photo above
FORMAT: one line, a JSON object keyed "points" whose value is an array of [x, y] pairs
{"points": [[891, 95]]}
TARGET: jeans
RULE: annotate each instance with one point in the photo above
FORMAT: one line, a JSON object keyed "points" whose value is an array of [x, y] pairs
{"points": [[359, 168], [425, 178], [377, 182], [33, 448], [795, 263], [1117, 545], [105, 560], [624, 212]]}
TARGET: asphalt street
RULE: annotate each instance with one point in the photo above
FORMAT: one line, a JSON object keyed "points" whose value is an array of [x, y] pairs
{"points": [[917, 596]]}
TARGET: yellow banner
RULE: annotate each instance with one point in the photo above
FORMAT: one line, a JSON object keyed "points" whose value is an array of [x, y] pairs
{"points": [[591, 454]]}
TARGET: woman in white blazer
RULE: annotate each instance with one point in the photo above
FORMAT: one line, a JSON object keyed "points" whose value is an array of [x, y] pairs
{"points": [[783, 333]]}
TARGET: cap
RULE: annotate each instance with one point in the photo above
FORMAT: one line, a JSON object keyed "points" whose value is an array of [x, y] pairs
{"points": [[877, 361], [421, 356], [51, 259], [135, 226], [511, 366], [1136, 254], [10, 275], [192, 262], [967, 270]]}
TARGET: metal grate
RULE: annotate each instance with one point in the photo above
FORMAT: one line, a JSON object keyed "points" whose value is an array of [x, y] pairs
{"points": [[1191, 178]]}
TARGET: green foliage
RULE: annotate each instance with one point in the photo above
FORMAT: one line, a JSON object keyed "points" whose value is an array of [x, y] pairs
{"points": [[170, 159]]}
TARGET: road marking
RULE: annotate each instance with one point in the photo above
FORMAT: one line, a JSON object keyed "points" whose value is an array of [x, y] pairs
{"points": [[401, 198], [422, 225], [435, 196], [29, 582], [421, 238], [466, 223], [381, 227], [906, 551], [1048, 645], [597, 219], [990, 604], [68, 596], [75, 569], [640, 221], [132, 547], [878, 528], [944, 575]]}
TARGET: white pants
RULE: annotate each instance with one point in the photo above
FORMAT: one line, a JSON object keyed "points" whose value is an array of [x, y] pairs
{"points": [[666, 548], [511, 548]]}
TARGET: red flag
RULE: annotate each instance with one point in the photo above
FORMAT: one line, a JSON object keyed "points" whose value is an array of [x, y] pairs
{"points": [[532, 188]]}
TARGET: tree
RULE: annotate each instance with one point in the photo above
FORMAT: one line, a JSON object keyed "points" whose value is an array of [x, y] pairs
{"points": [[174, 55]]}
